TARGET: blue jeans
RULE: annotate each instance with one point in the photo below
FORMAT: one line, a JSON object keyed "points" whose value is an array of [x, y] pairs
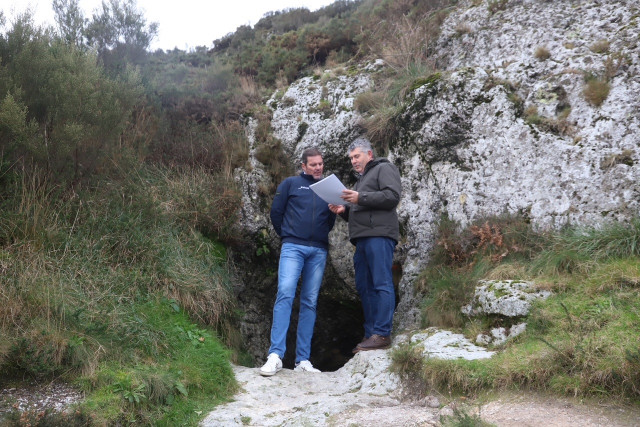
{"points": [[372, 262], [296, 260]]}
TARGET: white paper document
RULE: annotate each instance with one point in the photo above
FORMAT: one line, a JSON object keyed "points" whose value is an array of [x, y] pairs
{"points": [[329, 190]]}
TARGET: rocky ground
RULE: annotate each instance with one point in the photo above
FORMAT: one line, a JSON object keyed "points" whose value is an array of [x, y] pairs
{"points": [[36, 397], [364, 393]]}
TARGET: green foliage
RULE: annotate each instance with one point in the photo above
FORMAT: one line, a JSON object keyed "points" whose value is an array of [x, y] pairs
{"points": [[110, 278], [191, 376], [579, 248], [67, 117], [582, 341], [120, 34], [283, 43]]}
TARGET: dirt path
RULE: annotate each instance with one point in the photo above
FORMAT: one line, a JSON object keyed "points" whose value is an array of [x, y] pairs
{"points": [[363, 393]]}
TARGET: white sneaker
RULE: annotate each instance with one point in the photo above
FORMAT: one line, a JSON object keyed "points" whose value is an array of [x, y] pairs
{"points": [[273, 365], [305, 366]]}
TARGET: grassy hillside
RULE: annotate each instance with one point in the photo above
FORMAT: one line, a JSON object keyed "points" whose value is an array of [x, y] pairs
{"points": [[112, 287], [584, 340]]}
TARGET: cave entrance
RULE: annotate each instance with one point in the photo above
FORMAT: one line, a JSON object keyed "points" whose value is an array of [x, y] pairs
{"points": [[337, 331]]}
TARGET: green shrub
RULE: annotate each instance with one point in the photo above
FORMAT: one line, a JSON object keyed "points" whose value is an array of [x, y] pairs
{"points": [[79, 111]]}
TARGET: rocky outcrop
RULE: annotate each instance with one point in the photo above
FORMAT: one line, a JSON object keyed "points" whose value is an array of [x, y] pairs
{"points": [[510, 298], [509, 124]]}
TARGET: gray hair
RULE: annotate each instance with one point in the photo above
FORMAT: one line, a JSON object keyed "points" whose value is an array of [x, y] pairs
{"points": [[362, 143]]}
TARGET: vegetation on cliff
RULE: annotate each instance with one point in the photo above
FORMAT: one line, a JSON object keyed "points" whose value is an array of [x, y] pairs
{"points": [[581, 341]]}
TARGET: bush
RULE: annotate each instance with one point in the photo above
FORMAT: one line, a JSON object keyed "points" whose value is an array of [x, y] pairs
{"points": [[78, 111]]}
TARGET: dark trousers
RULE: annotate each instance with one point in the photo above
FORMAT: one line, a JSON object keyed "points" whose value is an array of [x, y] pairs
{"points": [[372, 262]]}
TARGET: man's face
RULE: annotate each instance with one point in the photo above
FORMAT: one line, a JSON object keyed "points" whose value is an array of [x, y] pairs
{"points": [[314, 166], [360, 158]]}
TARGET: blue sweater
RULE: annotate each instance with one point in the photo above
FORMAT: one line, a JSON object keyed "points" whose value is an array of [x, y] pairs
{"points": [[299, 216]]}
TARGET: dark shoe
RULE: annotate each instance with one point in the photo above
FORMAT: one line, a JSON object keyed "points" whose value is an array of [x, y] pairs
{"points": [[374, 342], [357, 348]]}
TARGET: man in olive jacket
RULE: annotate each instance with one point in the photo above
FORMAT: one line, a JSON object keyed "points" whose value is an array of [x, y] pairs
{"points": [[374, 230]]}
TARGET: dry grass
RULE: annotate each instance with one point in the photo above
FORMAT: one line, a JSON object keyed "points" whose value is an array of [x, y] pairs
{"points": [[601, 46], [596, 90], [381, 127], [542, 53], [367, 102], [463, 28]]}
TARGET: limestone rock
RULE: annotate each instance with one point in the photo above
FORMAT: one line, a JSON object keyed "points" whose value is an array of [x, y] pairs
{"points": [[509, 298], [448, 345]]}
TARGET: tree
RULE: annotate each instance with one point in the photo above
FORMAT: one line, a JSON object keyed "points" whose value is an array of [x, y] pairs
{"points": [[71, 21], [120, 34]]}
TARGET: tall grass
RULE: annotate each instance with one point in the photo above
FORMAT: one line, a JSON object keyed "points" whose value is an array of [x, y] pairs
{"points": [[582, 341], [115, 276]]}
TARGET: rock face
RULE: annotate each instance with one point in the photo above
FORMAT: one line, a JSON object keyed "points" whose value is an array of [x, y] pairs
{"points": [[509, 124]]}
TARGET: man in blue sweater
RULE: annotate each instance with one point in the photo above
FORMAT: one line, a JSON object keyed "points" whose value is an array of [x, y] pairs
{"points": [[303, 221]]}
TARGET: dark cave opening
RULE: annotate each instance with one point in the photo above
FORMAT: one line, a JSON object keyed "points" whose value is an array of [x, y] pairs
{"points": [[338, 328], [337, 331]]}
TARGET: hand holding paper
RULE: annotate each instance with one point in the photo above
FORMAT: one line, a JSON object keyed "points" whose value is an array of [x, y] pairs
{"points": [[329, 190]]}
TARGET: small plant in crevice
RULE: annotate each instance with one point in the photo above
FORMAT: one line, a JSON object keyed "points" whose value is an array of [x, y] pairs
{"points": [[623, 158], [613, 64], [463, 28], [542, 53], [495, 6], [596, 89], [598, 85], [600, 46], [558, 125]]}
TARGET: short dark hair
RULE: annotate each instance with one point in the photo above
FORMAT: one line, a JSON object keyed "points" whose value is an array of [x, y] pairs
{"points": [[310, 152], [362, 143]]}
